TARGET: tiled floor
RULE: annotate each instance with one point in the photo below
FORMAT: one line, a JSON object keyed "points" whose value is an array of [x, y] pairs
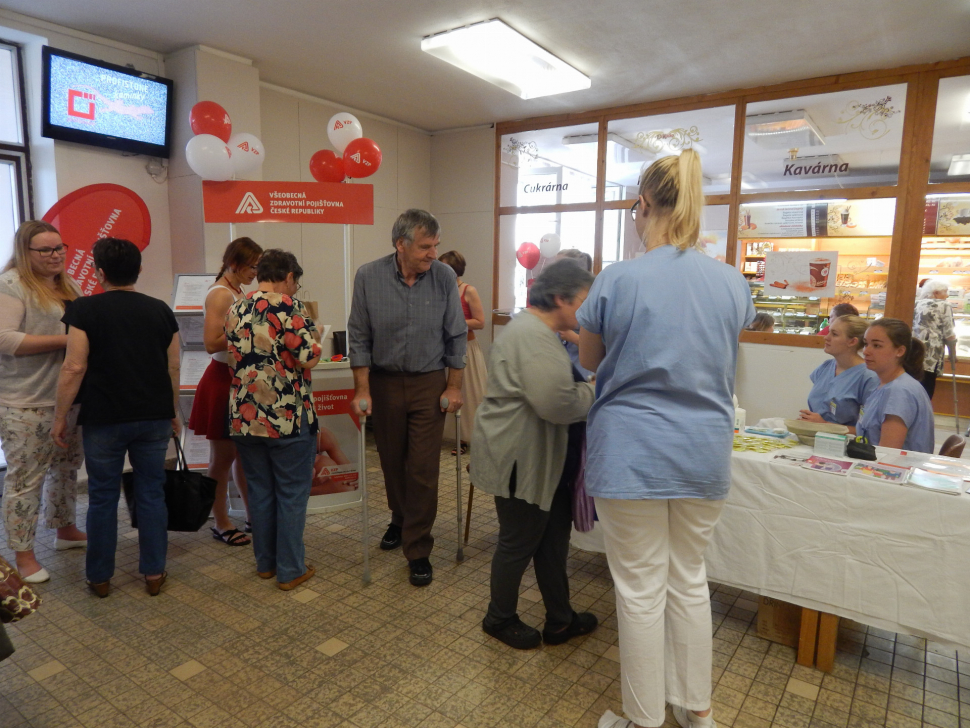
{"points": [[221, 648]]}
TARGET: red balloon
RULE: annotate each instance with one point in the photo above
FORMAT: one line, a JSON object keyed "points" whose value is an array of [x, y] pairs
{"points": [[528, 255], [208, 117], [325, 166], [362, 157]]}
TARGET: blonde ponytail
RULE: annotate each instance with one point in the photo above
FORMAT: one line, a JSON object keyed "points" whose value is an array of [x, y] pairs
{"points": [[676, 189]]}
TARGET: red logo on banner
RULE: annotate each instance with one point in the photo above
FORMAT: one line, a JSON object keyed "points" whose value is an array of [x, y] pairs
{"points": [[314, 202], [335, 402], [97, 211]]}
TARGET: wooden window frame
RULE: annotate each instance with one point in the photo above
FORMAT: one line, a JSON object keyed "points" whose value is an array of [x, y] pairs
{"points": [[909, 192]]}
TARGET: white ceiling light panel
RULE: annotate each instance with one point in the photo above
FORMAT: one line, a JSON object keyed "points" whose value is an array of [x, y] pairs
{"points": [[498, 54]]}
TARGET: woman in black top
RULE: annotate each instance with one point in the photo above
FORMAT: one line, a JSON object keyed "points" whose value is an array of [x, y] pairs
{"points": [[124, 345]]}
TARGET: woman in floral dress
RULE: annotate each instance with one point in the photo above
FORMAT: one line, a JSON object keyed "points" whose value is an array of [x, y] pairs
{"points": [[272, 346]]}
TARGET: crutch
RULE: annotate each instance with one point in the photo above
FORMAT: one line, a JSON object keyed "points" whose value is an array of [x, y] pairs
{"points": [[460, 555], [956, 406], [363, 404]]}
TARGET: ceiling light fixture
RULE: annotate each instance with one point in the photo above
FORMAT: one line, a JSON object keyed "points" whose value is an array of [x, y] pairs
{"points": [[959, 165], [784, 129], [498, 54]]}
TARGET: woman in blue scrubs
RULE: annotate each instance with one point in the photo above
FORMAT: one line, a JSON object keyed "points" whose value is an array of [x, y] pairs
{"points": [[659, 440], [899, 413], [841, 385]]}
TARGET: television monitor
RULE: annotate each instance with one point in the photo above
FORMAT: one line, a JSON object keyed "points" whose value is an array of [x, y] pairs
{"points": [[88, 101]]}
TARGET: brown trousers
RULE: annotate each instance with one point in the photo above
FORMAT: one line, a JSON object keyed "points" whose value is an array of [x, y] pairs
{"points": [[408, 427]]}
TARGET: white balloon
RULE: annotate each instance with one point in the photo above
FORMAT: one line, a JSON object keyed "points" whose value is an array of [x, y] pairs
{"points": [[549, 245], [209, 157], [342, 129], [247, 153]]}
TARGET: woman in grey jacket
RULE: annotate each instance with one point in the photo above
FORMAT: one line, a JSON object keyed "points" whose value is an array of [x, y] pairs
{"points": [[519, 455]]}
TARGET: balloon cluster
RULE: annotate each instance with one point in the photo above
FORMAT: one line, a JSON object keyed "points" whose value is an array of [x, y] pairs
{"points": [[529, 254], [361, 156], [215, 153]]}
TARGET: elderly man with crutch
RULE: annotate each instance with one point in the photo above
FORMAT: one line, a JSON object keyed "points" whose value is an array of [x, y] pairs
{"points": [[406, 328]]}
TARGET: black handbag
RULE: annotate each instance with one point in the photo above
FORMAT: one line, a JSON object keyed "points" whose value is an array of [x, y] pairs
{"points": [[188, 496]]}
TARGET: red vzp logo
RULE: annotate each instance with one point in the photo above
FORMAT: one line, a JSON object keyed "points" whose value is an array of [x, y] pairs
{"points": [[244, 146], [338, 125], [83, 112], [356, 157]]}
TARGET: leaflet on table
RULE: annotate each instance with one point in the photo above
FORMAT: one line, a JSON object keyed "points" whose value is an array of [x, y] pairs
{"points": [[828, 465], [920, 478], [953, 467], [878, 471]]}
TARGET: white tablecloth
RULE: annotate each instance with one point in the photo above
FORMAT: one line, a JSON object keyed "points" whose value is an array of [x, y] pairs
{"points": [[891, 556]]}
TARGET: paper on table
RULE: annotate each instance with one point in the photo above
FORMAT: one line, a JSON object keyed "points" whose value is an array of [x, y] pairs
{"points": [[954, 467], [934, 481]]}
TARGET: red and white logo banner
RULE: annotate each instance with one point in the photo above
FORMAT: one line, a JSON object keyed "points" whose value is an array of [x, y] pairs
{"points": [[310, 202]]}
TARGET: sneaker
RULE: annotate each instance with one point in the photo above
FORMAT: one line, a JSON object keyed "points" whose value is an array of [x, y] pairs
{"points": [[609, 719], [392, 538], [421, 573], [687, 718], [515, 634], [582, 624]]}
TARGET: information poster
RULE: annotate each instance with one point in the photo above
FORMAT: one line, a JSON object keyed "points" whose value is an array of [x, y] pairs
{"points": [[336, 475], [846, 218], [190, 291], [190, 330], [953, 216], [194, 364], [196, 449], [802, 273]]}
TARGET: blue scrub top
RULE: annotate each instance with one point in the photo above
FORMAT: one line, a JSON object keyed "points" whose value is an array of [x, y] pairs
{"points": [[839, 398], [905, 398], [662, 422]]}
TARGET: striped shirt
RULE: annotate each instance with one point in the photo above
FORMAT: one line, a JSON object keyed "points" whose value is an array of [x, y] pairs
{"points": [[402, 328]]}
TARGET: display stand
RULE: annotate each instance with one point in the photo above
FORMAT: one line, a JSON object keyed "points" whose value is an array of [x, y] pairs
{"points": [[336, 471], [188, 305]]}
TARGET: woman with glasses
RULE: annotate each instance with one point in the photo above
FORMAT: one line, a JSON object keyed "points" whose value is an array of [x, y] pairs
{"points": [[659, 440], [210, 409], [34, 293]]}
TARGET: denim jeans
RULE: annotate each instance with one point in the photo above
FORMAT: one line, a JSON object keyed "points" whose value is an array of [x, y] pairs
{"points": [[105, 447], [279, 473]]}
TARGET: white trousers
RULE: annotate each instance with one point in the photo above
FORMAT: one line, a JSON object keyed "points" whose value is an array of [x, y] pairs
{"points": [[655, 549]]}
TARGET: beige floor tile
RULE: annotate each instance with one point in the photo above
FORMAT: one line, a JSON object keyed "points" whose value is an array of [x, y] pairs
{"points": [[332, 646], [802, 689], [187, 670], [48, 669]]}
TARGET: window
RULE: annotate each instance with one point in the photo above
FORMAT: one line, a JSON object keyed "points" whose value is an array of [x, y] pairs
{"points": [[951, 134], [549, 167], [15, 201]]}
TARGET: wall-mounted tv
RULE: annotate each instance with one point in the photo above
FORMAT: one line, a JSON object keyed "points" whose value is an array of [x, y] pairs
{"points": [[88, 101]]}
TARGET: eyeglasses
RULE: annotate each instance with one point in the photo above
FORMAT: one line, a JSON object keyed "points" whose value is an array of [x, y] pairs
{"points": [[48, 252], [633, 210]]}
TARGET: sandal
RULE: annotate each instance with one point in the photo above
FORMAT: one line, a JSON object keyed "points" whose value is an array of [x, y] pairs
{"points": [[231, 537], [464, 449]]}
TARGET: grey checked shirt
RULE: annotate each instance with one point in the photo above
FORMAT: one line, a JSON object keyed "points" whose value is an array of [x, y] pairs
{"points": [[401, 328]]}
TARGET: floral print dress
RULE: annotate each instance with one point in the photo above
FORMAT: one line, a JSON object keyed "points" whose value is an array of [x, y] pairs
{"points": [[933, 324], [270, 336]]}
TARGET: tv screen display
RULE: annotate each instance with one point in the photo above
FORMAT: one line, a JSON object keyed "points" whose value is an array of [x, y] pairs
{"points": [[92, 102]]}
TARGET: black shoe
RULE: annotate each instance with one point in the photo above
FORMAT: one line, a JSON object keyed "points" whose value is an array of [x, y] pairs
{"points": [[392, 538], [515, 634], [582, 624], [421, 573]]}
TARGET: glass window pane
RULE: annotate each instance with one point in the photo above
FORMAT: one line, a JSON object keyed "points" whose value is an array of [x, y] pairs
{"points": [[9, 210], [797, 289], [549, 167], [841, 139], [574, 230], [950, 160], [945, 254], [10, 130], [633, 143], [621, 242]]}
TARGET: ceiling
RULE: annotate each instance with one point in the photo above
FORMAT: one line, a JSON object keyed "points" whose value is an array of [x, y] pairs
{"points": [[366, 53]]}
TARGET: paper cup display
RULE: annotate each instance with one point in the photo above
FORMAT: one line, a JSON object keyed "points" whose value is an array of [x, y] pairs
{"points": [[818, 272]]}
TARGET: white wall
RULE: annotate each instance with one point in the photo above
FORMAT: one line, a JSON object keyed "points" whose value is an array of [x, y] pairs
{"points": [[462, 198], [62, 167], [772, 381]]}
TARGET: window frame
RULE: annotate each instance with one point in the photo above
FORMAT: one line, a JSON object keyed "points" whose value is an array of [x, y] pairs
{"points": [[19, 154]]}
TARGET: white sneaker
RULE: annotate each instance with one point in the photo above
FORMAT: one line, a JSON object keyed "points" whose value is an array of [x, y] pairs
{"points": [[612, 720], [687, 718], [61, 544], [38, 577]]}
